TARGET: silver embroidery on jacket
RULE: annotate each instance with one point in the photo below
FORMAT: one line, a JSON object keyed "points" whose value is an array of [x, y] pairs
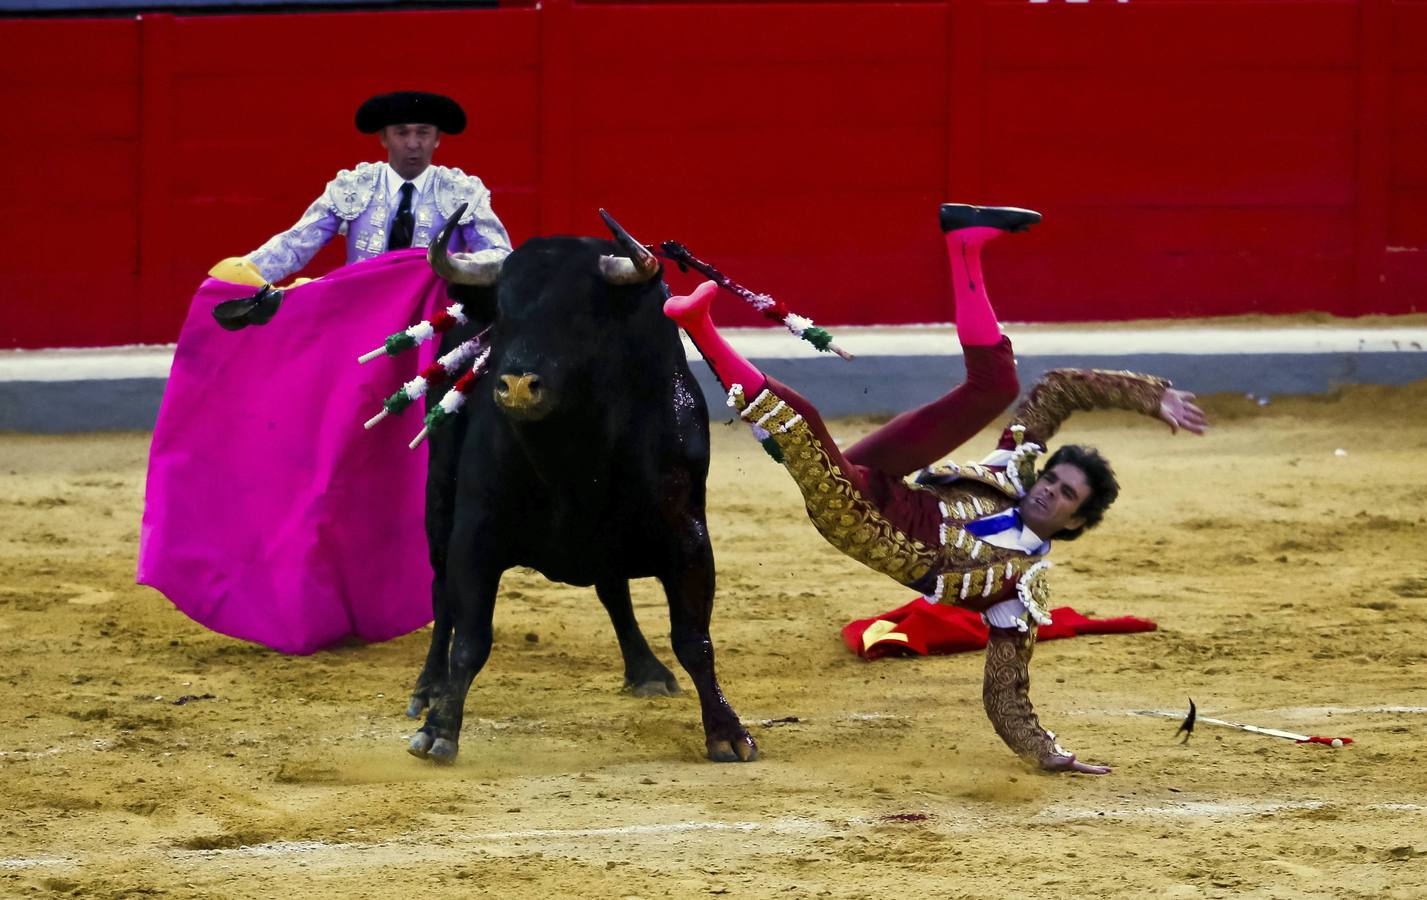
{"points": [[349, 195]]}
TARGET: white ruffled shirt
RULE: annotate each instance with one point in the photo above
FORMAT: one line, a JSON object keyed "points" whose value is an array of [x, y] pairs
{"points": [[361, 203], [394, 181], [1011, 613]]}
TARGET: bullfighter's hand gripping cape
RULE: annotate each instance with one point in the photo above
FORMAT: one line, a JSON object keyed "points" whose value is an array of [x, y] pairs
{"points": [[270, 514]]}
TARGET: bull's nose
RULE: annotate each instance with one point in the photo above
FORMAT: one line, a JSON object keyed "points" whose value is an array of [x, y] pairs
{"points": [[520, 392]]}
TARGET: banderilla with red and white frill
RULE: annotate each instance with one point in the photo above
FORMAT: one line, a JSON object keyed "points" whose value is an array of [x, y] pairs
{"points": [[433, 376], [436, 374], [418, 334], [800, 326], [454, 399], [446, 367]]}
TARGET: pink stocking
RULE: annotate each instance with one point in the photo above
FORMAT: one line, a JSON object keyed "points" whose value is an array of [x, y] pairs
{"points": [[729, 366], [976, 323], [922, 436]]}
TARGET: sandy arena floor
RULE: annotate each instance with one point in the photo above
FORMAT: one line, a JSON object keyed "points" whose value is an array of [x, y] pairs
{"points": [[1287, 580]]}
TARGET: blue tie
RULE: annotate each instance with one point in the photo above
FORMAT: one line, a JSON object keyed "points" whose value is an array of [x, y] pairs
{"points": [[996, 524]]}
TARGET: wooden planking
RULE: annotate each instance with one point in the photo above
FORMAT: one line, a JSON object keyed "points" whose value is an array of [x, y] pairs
{"points": [[70, 89], [756, 162], [357, 46], [1216, 169], [739, 34], [84, 113], [737, 110], [1191, 157], [238, 107], [769, 93], [1162, 140], [1145, 34], [1409, 100], [1405, 263], [1409, 34], [830, 256], [895, 287], [1409, 130], [250, 170], [77, 176], [72, 51], [1094, 263], [1175, 102], [59, 308], [1407, 224], [57, 238]]}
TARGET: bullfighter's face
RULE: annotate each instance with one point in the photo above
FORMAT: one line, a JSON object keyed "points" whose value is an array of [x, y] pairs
{"points": [[409, 148], [1053, 503]]}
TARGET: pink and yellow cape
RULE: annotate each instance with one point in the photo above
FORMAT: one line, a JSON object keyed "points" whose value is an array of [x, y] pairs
{"points": [[269, 514]]}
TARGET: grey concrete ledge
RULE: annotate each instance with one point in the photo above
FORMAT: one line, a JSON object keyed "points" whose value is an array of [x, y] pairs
{"points": [[119, 388], [883, 385], [47, 407]]}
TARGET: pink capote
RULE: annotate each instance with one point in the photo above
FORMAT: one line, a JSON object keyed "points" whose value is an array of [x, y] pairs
{"points": [[270, 514]]}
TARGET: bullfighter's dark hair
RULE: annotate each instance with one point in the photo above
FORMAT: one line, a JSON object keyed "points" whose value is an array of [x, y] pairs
{"points": [[1098, 475]]}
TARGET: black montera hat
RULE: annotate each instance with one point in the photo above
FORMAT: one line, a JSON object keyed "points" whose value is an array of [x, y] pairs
{"points": [[407, 107]]}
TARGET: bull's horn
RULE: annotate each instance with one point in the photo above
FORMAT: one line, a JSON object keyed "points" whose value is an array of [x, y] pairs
{"points": [[634, 265], [482, 267]]}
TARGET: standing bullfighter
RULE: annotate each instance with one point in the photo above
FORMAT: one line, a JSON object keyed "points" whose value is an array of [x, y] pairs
{"points": [[975, 535], [259, 557], [403, 202]]}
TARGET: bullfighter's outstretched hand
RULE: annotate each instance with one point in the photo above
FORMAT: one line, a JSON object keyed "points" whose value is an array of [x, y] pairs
{"points": [[1178, 409]]}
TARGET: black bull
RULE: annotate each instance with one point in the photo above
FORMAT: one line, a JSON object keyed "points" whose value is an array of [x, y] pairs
{"points": [[582, 453]]}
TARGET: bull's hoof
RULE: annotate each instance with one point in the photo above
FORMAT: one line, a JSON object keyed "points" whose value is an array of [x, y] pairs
{"points": [[648, 677], [740, 749], [442, 751], [417, 704], [420, 745], [654, 687]]}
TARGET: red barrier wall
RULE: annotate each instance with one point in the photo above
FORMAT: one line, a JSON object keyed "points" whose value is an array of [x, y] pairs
{"points": [[1215, 157]]}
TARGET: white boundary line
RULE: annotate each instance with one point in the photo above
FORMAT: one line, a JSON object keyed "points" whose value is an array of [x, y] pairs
{"points": [[936, 820], [1290, 711]]}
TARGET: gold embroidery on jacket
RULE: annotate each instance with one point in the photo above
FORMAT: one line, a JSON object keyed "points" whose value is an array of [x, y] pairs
{"points": [[841, 514], [984, 577], [852, 524], [1063, 391], [1006, 695]]}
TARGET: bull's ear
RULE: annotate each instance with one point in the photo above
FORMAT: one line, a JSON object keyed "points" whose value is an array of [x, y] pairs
{"points": [[634, 265], [481, 267]]}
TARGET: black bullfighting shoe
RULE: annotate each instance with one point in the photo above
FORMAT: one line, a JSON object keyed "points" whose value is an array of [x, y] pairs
{"points": [[255, 310], [1004, 218]]}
